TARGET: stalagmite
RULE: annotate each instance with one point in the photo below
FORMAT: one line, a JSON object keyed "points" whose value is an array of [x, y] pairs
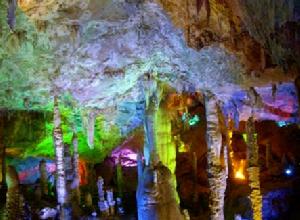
{"points": [[253, 170], [216, 171], [14, 204], [59, 154], [111, 202], [3, 186], [120, 179], [102, 203], [155, 195], [43, 178], [69, 172]]}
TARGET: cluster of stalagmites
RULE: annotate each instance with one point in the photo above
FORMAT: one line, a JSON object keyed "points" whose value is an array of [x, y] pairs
{"points": [[107, 205]]}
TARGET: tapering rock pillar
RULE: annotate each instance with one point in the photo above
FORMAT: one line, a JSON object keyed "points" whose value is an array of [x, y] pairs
{"points": [[156, 193], [61, 191], [253, 170], [217, 174], [150, 153], [43, 177], [76, 177]]}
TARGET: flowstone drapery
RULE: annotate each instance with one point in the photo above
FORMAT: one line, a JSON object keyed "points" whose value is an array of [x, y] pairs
{"points": [[216, 170]]}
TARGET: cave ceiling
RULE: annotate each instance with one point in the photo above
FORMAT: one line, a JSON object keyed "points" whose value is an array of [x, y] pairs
{"points": [[103, 53]]}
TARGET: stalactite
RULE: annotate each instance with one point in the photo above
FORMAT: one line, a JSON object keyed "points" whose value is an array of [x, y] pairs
{"points": [[199, 4], [274, 91], [269, 16], [188, 34], [297, 85], [217, 171], [255, 98], [59, 153], [88, 122], [76, 179], [149, 120], [11, 13], [140, 166], [253, 170], [91, 129]]}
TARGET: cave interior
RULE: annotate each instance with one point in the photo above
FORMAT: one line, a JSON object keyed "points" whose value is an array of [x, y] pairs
{"points": [[150, 109]]}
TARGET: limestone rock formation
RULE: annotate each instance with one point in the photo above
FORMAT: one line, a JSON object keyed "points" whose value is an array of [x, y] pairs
{"points": [[155, 195]]}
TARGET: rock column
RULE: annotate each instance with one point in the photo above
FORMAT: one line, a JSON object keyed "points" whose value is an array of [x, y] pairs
{"points": [[59, 159], [149, 146], [156, 192], [216, 170], [253, 170], [165, 146]]}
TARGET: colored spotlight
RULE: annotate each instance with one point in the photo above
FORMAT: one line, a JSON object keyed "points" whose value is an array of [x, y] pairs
{"points": [[288, 171]]}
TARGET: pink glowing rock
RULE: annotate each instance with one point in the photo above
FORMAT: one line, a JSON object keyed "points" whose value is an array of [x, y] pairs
{"points": [[127, 152]]}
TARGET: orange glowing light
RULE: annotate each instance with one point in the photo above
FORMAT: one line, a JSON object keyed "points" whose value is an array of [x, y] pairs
{"points": [[240, 170]]}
